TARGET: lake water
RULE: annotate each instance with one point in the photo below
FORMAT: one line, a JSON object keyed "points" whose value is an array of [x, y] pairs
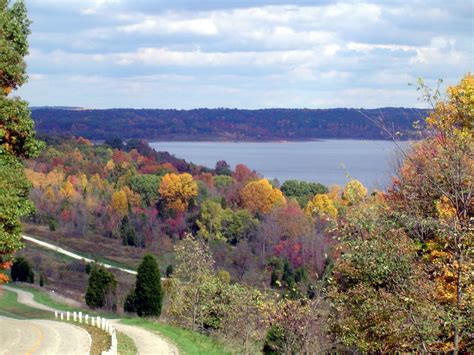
{"points": [[328, 162]]}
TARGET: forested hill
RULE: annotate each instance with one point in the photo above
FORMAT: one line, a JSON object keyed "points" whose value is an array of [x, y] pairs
{"points": [[227, 124]]}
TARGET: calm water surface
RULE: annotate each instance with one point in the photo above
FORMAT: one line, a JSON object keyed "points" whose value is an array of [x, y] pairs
{"points": [[329, 161]]}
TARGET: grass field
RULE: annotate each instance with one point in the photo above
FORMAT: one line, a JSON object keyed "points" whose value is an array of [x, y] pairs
{"points": [[187, 341], [125, 345]]}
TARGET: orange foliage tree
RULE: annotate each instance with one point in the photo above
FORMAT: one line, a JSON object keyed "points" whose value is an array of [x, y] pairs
{"points": [[260, 196]]}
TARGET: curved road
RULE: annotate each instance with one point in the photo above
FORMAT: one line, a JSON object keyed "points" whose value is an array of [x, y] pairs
{"points": [[146, 342], [42, 337]]}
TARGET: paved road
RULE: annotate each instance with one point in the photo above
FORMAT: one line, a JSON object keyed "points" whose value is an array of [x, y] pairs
{"points": [[146, 342], [42, 337]]}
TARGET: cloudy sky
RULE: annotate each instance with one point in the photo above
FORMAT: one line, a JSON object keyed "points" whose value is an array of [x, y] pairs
{"points": [[245, 54]]}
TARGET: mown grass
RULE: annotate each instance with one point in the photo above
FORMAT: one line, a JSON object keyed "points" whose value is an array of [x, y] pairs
{"points": [[44, 298], [187, 341], [125, 345], [9, 307]]}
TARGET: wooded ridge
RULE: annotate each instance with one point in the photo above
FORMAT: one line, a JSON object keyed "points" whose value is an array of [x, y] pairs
{"points": [[223, 124]]}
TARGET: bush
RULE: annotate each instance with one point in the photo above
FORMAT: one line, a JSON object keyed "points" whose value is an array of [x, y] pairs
{"points": [[52, 224], [128, 233], [22, 271], [102, 289], [130, 304], [148, 290], [169, 270], [273, 279], [274, 341]]}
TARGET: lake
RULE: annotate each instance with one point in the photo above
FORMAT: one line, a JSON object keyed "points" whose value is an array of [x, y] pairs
{"points": [[328, 161]]}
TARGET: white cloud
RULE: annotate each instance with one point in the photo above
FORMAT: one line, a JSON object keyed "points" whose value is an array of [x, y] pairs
{"points": [[345, 53], [168, 25]]}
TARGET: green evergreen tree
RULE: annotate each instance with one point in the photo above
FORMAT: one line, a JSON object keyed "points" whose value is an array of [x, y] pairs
{"points": [[148, 290], [102, 289]]}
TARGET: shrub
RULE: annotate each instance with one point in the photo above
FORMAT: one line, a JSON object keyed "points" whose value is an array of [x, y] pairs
{"points": [[274, 341], [130, 304], [169, 270], [102, 288]]}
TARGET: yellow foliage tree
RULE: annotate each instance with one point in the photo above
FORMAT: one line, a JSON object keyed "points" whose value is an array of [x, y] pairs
{"points": [[119, 203], [457, 111], [321, 206], [67, 191], [260, 196], [354, 192], [177, 190]]}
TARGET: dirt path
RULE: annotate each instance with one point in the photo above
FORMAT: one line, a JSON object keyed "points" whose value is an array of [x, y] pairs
{"points": [[26, 297], [42, 337], [146, 342]]}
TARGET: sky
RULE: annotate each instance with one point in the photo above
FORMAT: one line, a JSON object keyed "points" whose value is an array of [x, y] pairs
{"points": [[244, 54]]}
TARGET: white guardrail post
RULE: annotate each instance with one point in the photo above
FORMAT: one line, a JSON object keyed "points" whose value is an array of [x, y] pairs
{"points": [[98, 322]]}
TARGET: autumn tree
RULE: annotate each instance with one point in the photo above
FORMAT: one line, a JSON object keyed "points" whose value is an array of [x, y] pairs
{"points": [[321, 206], [354, 192], [261, 197], [243, 174], [382, 297], [432, 199], [119, 203], [194, 268], [297, 327], [17, 136], [177, 190]]}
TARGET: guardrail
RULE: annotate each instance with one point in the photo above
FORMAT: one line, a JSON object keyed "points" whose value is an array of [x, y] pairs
{"points": [[99, 322]]}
